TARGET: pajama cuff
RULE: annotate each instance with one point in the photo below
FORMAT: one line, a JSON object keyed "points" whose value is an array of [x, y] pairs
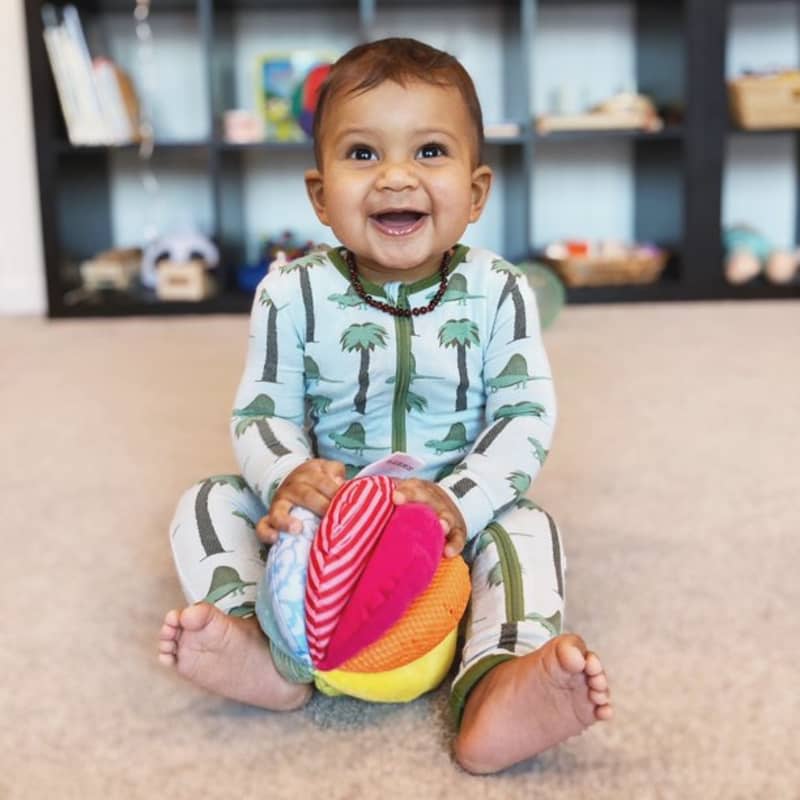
{"points": [[467, 682], [472, 501]]}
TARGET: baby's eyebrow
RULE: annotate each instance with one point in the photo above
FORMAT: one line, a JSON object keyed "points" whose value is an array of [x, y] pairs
{"points": [[354, 131], [434, 132]]}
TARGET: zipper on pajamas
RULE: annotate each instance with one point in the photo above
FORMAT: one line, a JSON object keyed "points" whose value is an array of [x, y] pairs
{"points": [[511, 571], [402, 328]]}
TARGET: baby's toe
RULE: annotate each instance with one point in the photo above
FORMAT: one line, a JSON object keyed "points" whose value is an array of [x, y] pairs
{"points": [[168, 647], [593, 666], [599, 698], [172, 618], [168, 633], [604, 713], [598, 682]]}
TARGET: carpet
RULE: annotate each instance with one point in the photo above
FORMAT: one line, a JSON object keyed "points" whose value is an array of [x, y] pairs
{"points": [[673, 474]]}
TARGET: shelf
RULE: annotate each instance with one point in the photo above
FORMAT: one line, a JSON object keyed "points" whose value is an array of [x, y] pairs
{"points": [[760, 131], [278, 147], [127, 6], [120, 304], [61, 147], [670, 133], [494, 141], [92, 197], [285, 5]]}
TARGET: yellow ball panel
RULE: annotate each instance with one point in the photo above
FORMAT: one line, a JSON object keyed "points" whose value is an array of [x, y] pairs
{"points": [[398, 685]]}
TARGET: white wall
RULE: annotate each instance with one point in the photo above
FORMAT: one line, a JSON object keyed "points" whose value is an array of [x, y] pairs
{"points": [[21, 265]]}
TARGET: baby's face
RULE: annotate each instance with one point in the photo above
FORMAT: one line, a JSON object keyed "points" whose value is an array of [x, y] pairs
{"points": [[398, 184]]}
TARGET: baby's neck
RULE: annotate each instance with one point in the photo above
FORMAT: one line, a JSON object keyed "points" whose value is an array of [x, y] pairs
{"points": [[379, 274]]}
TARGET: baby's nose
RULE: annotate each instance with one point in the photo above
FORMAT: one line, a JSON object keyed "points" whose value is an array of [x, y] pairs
{"points": [[397, 175]]}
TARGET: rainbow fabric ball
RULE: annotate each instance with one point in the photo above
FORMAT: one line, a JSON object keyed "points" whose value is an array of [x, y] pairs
{"points": [[367, 606]]}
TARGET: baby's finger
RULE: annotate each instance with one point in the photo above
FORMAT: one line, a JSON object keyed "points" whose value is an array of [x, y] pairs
{"points": [[313, 499], [455, 542], [265, 532], [412, 491], [280, 519]]}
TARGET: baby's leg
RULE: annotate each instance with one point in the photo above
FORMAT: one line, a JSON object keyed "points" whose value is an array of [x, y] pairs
{"points": [[216, 642], [523, 685]]}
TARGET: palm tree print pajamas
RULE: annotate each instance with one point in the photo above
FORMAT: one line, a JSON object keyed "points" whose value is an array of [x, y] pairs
{"points": [[467, 388]]}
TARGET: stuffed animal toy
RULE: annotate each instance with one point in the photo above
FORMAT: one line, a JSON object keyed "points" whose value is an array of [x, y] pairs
{"points": [[365, 605], [748, 252], [179, 247]]}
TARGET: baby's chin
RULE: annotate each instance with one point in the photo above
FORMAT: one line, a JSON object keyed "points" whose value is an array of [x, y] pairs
{"points": [[402, 267]]}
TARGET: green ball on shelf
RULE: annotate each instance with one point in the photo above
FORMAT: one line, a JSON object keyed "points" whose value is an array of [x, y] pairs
{"points": [[549, 290]]}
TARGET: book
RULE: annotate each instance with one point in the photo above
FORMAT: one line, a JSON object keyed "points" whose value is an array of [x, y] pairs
{"points": [[91, 110], [118, 101], [97, 98], [287, 90], [65, 87]]}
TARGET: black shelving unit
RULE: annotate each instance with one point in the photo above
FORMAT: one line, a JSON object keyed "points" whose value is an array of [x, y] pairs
{"points": [[680, 53]]}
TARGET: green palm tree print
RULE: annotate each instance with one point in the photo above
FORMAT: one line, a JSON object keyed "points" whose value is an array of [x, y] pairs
{"points": [[461, 334], [205, 527], [363, 338], [304, 265], [511, 289]]}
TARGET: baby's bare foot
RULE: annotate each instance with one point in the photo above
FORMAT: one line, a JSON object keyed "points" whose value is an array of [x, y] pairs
{"points": [[228, 656], [529, 704]]}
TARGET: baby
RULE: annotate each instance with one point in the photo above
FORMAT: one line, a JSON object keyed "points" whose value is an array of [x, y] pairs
{"points": [[400, 340]]}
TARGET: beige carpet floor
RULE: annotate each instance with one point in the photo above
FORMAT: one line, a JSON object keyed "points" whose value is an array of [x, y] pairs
{"points": [[675, 475]]}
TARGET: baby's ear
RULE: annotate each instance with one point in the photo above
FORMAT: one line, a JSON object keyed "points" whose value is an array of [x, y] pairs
{"points": [[316, 193], [481, 184]]}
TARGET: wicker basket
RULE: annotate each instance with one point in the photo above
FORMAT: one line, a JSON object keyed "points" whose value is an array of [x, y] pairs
{"points": [[769, 101], [638, 267]]}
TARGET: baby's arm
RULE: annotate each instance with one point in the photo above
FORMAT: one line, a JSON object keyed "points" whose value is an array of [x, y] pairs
{"points": [[520, 412], [267, 420]]}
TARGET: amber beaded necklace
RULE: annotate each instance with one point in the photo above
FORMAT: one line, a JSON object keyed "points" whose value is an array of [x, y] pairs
{"points": [[395, 311]]}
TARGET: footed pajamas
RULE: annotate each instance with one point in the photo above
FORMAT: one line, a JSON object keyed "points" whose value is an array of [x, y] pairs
{"points": [[466, 388]]}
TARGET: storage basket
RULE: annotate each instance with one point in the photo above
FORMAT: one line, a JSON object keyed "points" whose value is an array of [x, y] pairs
{"points": [[638, 267], [766, 101]]}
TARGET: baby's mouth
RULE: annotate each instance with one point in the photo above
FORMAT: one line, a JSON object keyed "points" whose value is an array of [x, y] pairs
{"points": [[399, 223]]}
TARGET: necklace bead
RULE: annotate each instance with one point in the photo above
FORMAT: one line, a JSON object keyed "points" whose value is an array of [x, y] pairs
{"points": [[394, 310]]}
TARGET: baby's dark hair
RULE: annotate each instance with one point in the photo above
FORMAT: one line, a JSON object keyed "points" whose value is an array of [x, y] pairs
{"points": [[400, 60]]}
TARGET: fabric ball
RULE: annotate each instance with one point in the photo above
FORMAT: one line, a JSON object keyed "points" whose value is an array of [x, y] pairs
{"points": [[381, 607]]}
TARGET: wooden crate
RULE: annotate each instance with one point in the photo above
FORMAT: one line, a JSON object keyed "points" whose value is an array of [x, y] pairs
{"points": [[768, 101]]}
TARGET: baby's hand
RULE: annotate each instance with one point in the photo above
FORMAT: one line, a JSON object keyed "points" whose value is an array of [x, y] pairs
{"points": [[312, 485], [414, 490]]}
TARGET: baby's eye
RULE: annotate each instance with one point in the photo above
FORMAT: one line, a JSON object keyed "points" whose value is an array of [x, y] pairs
{"points": [[431, 150], [361, 153]]}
